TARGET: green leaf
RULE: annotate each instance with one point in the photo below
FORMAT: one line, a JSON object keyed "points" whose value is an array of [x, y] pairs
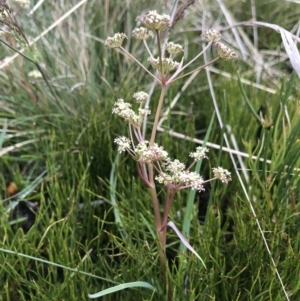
{"points": [[121, 287]]}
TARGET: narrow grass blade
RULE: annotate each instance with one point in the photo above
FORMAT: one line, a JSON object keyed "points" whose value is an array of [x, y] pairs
{"points": [[113, 185], [148, 226], [8, 149], [190, 202], [121, 287], [136, 224], [56, 265], [249, 104], [3, 133]]}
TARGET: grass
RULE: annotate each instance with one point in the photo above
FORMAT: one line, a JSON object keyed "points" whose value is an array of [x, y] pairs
{"points": [[90, 211]]}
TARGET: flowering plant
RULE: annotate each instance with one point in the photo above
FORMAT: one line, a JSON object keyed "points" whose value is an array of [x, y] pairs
{"points": [[154, 163]]}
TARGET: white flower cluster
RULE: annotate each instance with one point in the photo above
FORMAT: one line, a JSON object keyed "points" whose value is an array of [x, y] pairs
{"points": [[148, 154], [124, 110], [178, 177], [172, 174], [199, 153], [124, 144], [222, 174], [141, 96]]}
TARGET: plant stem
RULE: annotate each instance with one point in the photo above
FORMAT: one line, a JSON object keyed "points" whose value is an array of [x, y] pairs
{"points": [[157, 216], [157, 115], [197, 69], [198, 55], [140, 64], [168, 203], [160, 56], [153, 193], [161, 241]]}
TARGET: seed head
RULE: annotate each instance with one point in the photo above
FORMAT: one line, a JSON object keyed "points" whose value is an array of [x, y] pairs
{"points": [[115, 41], [225, 52], [167, 64], [212, 35], [155, 21], [142, 33], [173, 48]]}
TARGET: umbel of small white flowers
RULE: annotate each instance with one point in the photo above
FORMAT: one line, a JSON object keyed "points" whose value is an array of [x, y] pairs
{"points": [[172, 174], [124, 110]]}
